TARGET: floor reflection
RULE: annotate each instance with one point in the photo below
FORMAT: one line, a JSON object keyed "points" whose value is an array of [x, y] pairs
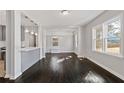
{"points": [[55, 64], [68, 57], [60, 60], [93, 77]]}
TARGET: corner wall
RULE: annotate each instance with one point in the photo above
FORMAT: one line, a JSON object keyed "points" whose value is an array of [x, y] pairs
{"points": [[80, 51]]}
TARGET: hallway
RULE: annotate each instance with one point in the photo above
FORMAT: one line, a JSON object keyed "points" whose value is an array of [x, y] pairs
{"points": [[61, 46], [66, 68], [47, 46]]}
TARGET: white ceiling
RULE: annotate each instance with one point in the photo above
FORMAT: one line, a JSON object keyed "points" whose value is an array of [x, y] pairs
{"points": [[54, 19]]}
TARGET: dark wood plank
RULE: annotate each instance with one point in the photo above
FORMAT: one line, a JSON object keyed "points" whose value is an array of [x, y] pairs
{"points": [[66, 68]]}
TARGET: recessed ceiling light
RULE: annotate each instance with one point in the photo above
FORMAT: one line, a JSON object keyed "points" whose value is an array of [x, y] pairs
{"points": [[26, 30], [65, 12], [36, 34], [32, 32]]}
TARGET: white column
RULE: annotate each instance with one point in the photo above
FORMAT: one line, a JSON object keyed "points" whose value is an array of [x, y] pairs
{"points": [[13, 57], [80, 50], [75, 41], [8, 44], [40, 41], [44, 41]]}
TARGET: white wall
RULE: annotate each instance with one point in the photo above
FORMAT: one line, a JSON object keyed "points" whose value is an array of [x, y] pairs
{"points": [[44, 41], [66, 41], [13, 42], [2, 44], [76, 42], [80, 49], [111, 63]]}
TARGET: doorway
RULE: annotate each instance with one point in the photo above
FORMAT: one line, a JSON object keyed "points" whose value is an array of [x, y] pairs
{"points": [[60, 42], [2, 43]]}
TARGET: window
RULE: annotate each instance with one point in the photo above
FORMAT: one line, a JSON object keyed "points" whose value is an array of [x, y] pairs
{"points": [[113, 29], [55, 41], [107, 37]]}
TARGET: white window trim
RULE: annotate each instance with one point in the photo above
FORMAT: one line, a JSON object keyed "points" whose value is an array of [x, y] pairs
{"points": [[121, 55], [76, 40], [94, 37]]}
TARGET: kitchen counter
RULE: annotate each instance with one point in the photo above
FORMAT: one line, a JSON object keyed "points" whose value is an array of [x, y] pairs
{"points": [[29, 49]]}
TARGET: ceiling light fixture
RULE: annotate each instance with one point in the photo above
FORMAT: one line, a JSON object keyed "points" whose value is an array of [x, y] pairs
{"points": [[65, 12]]}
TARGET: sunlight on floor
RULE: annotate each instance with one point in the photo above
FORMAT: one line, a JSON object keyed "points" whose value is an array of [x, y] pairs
{"points": [[60, 60], [92, 77], [54, 64]]}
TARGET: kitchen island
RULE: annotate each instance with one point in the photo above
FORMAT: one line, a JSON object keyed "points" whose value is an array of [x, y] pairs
{"points": [[29, 56]]}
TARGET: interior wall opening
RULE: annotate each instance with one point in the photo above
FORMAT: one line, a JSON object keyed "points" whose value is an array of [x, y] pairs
{"points": [[2, 43]]}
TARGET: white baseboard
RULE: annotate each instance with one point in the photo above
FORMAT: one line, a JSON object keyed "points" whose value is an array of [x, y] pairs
{"points": [[81, 56], [62, 52], [108, 69], [15, 77], [6, 76]]}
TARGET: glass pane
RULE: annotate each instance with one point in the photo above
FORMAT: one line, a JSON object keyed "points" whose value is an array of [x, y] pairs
{"points": [[99, 38], [113, 37]]}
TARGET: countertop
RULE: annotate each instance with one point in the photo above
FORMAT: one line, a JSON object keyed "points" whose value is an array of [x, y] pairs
{"points": [[29, 49]]}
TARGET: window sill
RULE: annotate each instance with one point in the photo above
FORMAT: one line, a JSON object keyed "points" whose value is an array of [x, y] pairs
{"points": [[109, 54]]}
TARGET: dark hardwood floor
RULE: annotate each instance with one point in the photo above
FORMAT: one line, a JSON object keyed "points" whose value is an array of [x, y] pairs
{"points": [[66, 68]]}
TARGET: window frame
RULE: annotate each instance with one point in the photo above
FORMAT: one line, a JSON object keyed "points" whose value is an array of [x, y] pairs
{"points": [[104, 35], [94, 38]]}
